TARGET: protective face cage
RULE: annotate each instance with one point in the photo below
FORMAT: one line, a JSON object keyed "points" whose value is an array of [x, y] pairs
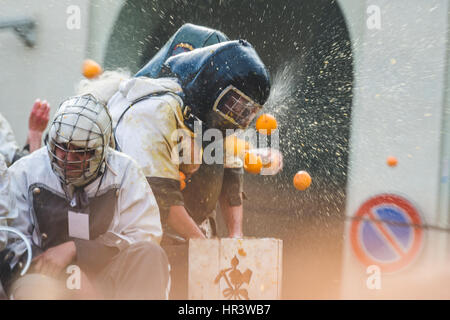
{"points": [[236, 107], [78, 140]]}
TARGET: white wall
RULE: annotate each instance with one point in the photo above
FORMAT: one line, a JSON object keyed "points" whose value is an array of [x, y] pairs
{"points": [[103, 15], [399, 100], [47, 71]]}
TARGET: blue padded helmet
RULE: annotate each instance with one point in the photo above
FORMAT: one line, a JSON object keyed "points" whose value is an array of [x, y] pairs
{"points": [[187, 38], [224, 85]]}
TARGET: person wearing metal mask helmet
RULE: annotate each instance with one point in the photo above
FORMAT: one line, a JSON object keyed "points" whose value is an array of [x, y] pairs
{"points": [[187, 38], [146, 112], [224, 85], [82, 203]]}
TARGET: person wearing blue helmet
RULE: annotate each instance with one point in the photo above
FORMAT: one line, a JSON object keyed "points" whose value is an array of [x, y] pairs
{"points": [[221, 86]]}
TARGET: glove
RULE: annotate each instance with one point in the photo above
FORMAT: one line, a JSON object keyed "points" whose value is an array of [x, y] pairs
{"points": [[6, 257]]}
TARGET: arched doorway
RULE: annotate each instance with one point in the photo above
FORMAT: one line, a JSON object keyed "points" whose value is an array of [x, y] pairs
{"points": [[307, 48]]}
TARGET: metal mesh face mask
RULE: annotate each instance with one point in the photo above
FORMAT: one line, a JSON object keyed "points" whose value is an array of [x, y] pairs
{"points": [[235, 107], [78, 140]]}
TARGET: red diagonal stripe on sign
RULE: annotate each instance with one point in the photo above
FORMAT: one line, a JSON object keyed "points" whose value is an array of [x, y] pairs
{"points": [[386, 234]]}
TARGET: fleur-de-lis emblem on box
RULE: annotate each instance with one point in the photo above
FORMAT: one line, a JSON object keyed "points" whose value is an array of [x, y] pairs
{"points": [[234, 279]]}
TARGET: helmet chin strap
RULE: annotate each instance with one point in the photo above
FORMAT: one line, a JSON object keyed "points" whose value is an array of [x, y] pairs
{"points": [[225, 84]]}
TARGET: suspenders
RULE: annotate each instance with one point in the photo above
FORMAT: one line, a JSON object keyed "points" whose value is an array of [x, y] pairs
{"points": [[128, 108], [189, 117]]}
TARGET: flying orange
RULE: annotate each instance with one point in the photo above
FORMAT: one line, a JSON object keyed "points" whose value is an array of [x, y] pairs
{"points": [[252, 163], [302, 180], [91, 69], [182, 182], [266, 123], [391, 161]]}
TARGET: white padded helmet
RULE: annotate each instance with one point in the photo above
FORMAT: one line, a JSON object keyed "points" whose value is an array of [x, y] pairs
{"points": [[82, 124]]}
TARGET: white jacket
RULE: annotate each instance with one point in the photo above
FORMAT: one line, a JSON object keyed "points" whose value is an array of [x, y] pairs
{"points": [[146, 130], [8, 144], [135, 217]]}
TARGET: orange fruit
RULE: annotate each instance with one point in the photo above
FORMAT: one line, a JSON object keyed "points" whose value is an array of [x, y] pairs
{"points": [[391, 161], [302, 180], [91, 69], [182, 182], [252, 163], [266, 123]]}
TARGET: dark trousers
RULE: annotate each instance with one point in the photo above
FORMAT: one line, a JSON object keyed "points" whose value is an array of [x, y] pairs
{"points": [[141, 271]]}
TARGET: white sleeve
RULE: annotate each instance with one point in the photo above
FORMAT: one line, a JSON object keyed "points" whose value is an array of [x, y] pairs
{"points": [[137, 211], [5, 200], [8, 145], [19, 217]]}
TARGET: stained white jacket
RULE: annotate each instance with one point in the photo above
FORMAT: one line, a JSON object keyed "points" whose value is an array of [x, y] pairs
{"points": [[146, 130]]}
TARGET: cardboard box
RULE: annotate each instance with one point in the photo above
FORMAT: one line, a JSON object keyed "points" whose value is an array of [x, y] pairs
{"points": [[235, 269]]}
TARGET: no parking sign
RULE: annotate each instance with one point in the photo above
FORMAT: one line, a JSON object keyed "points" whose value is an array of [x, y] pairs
{"points": [[387, 232]]}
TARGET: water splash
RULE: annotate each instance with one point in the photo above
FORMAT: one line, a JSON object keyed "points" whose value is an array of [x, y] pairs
{"points": [[284, 87]]}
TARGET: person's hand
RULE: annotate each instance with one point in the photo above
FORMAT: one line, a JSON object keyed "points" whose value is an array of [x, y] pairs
{"points": [[39, 116], [37, 123], [53, 261]]}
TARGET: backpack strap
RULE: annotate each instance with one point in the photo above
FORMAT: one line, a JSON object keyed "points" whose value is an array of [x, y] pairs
{"points": [[128, 108]]}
